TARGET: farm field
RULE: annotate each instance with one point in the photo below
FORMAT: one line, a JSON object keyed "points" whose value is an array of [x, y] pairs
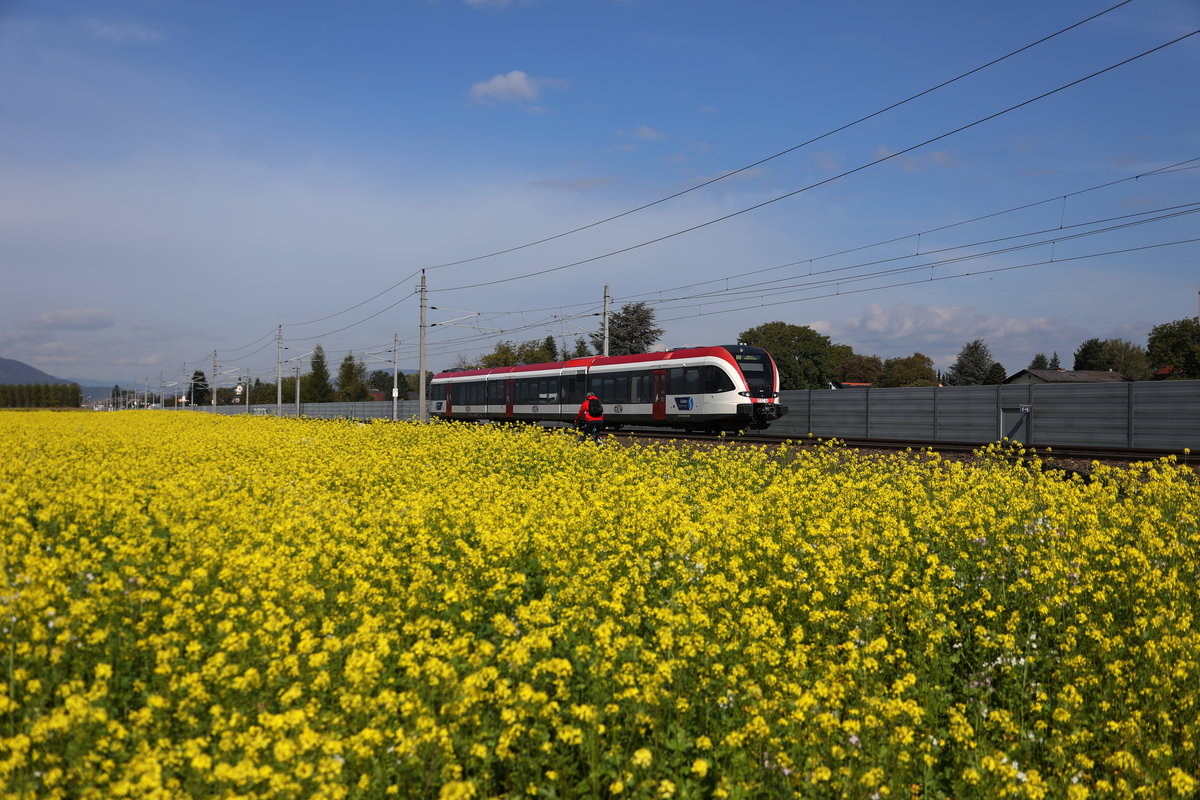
{"points": [[205, 606]]}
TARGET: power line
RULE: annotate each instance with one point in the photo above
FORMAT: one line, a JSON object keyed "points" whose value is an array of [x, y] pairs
{"points": [[788, 150], [728, 174], [811, 186], [938, 278], [1172, 168], [1170, 212]]}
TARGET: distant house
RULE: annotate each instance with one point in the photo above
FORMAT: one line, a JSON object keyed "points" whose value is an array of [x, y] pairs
{"points": [[1066, 376]]}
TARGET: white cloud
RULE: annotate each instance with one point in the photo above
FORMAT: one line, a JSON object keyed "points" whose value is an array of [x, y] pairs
{"points": [[515, 87], [647, 134], [940, 332], [122, 32], [87, 319]]}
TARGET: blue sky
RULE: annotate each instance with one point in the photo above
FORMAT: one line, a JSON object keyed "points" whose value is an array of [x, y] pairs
{"points": [[178, 178]]}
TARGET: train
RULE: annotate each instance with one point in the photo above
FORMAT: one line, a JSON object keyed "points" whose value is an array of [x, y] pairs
{"points": [[716, 388]]}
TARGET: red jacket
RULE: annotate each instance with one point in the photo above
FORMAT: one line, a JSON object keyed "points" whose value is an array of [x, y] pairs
{"points": [[583, 412]]}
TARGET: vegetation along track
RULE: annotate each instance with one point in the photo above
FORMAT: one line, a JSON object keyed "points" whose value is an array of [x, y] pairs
{"points": [[1071, 458]]}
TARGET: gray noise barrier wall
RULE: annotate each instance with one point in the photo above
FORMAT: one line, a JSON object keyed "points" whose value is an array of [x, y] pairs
{"points": [[1152, 415], [375, 409]]}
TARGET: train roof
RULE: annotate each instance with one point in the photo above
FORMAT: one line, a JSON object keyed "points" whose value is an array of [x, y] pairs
{"points": [[587, 363]]}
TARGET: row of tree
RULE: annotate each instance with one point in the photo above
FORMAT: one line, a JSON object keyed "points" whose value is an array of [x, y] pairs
{"points": [[808, 359], [353, 384], [41, 395], [1172, 351]]}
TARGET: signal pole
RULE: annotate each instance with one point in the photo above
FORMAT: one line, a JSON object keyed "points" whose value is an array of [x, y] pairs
{"points": [[395, 377], [212, 382], [422, 411], [605, 353], [279, 372]]}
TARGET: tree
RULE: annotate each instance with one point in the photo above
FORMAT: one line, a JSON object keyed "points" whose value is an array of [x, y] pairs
{"points": [[1127, 358], [581, 349], [200, 394], [413, 386], [804, 357], [462, 362], [1090, 355], [971, 368], [630, 330], [1118, 355], [380, 380], [315, 386], [995, 374], [1176, 344], [1039, 362], [352, 380], [858, 369], [1054, 362], [915, 370]]}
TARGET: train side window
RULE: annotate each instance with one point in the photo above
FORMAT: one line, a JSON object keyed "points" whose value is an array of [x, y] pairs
{"points": [[572, 388], [621, 389], [716, 381], [691, 379], [642, 391], [495, 393], [675, 384]]}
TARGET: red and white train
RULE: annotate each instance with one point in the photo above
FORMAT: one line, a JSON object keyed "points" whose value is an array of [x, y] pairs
{"points": [[731, 387]]}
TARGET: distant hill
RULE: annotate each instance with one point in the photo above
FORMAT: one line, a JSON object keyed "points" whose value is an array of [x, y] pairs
{"points": [[17, 373]]}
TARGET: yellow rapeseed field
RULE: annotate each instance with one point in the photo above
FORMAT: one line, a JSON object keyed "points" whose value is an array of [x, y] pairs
{"points": [[205, 606]]}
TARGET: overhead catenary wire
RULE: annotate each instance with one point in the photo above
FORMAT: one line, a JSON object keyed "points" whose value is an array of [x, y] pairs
{"points": [[729, 173], [809, 187], [1007, 268], [1178, 166]]}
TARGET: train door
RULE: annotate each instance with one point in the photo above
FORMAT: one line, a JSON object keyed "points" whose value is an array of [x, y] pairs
{"points": [[510, 392], [659, 386]]}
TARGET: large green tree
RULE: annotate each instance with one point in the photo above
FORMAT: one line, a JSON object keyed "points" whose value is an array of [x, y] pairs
{"points": [[380, 380], [1090, 355], [199, 394], [630, 331], [315, 386], [914, 370], [1039, 362], [1118, 355], [352, 380], [805, 357], [1177, 345], [854, 368], [973, 365]]}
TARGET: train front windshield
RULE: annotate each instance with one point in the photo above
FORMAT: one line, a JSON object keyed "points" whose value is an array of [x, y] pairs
{"points": [[757, 367]]}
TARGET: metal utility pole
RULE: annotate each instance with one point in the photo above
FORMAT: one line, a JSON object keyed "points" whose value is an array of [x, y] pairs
{"points": [[395, 376], [422, 411], [212, 382], [297, 388], [279, 372], [605, 353]]}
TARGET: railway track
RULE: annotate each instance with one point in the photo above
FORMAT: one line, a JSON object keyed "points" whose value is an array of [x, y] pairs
{"points": [[1054, 453]]}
